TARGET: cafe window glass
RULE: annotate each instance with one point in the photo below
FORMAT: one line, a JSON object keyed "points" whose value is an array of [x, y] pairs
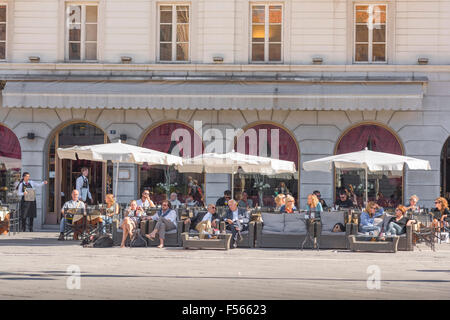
{"points": [[178, 139], [267, 140], [10, 164], [385, 189], [82, 32]]}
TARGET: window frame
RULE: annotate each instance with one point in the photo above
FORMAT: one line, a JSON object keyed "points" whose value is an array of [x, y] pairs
{"points": [[83, 40], [370, 34], [5, 4], [174, 32], [266, 32]]}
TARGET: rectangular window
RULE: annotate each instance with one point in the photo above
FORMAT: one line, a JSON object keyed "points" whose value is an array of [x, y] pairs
{"points": [[2, 32], [82, 29], [266, 30], [370, 33], [174, 32]]}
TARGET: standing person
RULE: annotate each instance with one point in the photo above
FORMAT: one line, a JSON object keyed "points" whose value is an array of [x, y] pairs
{"points": [[26, 190], [82, 185], [166, 220], [145, 202]]}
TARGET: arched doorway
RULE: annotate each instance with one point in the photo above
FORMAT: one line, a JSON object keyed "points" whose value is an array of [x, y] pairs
{"points": [[10, 164], [386, 190], [268, 140], [445, 170], [62, 173], [170, 137]]}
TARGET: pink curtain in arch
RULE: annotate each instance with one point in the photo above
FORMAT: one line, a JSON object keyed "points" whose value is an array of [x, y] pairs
{"points": [[9, 144], [376, 137], [288, 146], [159, 138]]}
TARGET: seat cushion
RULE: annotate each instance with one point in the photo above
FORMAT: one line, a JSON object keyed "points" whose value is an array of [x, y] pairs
{"points": [[329, 220], [293, 223], [273, 222]]}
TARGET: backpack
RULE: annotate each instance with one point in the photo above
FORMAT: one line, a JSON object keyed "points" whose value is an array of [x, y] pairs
{"points": [[96, 241]]}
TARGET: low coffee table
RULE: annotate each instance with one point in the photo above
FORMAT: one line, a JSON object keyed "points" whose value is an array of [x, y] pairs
{"points": [[366, 243], [192, 240]]}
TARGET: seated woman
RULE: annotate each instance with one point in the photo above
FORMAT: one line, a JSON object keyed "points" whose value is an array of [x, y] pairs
{"points": [[413, 207], [440, 213], [280, 200], [397, 224], [131, 222], [313, 206], [112, 208], [289, 206], [372, 211]]}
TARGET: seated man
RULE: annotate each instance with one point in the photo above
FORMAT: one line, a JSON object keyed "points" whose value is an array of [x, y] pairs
{"points": [[145, 202], [166, 220], [75, 203], [368, 216], [344, 201], [319, 196], [203, 222], [222, 202], [174, 200], [237, 220]]}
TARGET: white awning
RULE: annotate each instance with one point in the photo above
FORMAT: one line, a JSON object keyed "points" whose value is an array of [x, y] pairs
{"points": [[208, 95]]}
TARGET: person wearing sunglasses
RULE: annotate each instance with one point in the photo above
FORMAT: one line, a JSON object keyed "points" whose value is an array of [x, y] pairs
{"points": [[166, 220], [222, 202], [397, 224], [145, 202], [440, 213], [344, 201], [319, 196], [289, 206], [204, 222]]}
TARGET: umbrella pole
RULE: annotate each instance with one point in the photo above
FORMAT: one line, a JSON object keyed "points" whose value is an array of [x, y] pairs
{"points": [[367, 192], [117, 181], [232, 185]]}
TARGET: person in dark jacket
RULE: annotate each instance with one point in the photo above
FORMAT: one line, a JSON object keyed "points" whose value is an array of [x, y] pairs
{"points": [[237, 220], [221, 202], [204, 222]]}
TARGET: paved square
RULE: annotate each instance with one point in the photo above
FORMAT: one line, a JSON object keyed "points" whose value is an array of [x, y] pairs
{"points": [[34, 266]]}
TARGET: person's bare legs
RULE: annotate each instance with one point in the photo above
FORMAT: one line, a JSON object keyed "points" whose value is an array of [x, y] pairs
{"points": [[127, 230]]}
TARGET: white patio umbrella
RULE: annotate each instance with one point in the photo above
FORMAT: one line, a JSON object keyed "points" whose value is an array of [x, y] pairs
{"points": [[230, 163], [119, 153], [370, 161]]}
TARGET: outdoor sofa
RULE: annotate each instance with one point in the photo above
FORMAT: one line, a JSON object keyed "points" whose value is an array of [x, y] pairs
{"points": [[405, 242]]}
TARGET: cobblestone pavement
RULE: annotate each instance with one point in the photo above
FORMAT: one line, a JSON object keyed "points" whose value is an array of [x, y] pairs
{"points": [[35, 266]]}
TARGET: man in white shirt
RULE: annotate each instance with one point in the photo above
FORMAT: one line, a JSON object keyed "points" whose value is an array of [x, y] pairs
{"points": [[75, 204], [145, 202], [203, 222], [82, 185], [166, 220]]}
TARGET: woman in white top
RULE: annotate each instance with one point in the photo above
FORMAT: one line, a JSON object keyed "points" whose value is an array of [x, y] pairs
{"points": [[26, 190]]}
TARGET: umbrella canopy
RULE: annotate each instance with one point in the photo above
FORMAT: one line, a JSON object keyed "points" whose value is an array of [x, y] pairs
{"points": [[369, 161], [231, 161], [366, 159], [11, 163], [119, 153]]}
